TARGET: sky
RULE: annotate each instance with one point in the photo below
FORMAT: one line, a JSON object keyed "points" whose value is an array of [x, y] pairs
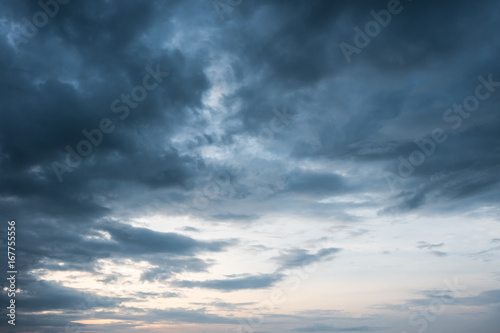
{"points": [[251, 166]]}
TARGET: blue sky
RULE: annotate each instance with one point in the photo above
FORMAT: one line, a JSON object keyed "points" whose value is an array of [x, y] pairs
{"points": [[252, 166]]}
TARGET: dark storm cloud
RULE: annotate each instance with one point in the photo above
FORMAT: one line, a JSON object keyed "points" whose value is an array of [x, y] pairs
{"points": [[394, 82], [307, 40], [362, 115], [316, 183], [79, 247], [62, 82], [55, 112], [298, 57], [129, 316], [144, 241]]}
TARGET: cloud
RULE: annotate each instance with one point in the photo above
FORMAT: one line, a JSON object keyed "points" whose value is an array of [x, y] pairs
{"points": [[227, 306], [167, 267], [316, 183], [144, 241], [258, 281], [235, 217], [190, 229], [79, 247], [487, 297], [39, 295], [430, 247], [439, 253], [333, 131], [425, 245], [130, 318], [294, 258], [330, 328]]}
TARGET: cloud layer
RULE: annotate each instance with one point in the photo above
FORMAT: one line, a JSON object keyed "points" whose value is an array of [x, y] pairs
{"points": [[210, 152]]}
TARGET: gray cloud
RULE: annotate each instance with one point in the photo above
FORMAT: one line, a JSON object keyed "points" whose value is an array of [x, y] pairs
{"points": [[300, 257], [425, 245], [347, 126], [258, 281], [330, 328]]}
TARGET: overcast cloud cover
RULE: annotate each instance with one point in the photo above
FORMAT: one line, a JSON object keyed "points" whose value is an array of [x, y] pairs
{"points": [[251, 165]]}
